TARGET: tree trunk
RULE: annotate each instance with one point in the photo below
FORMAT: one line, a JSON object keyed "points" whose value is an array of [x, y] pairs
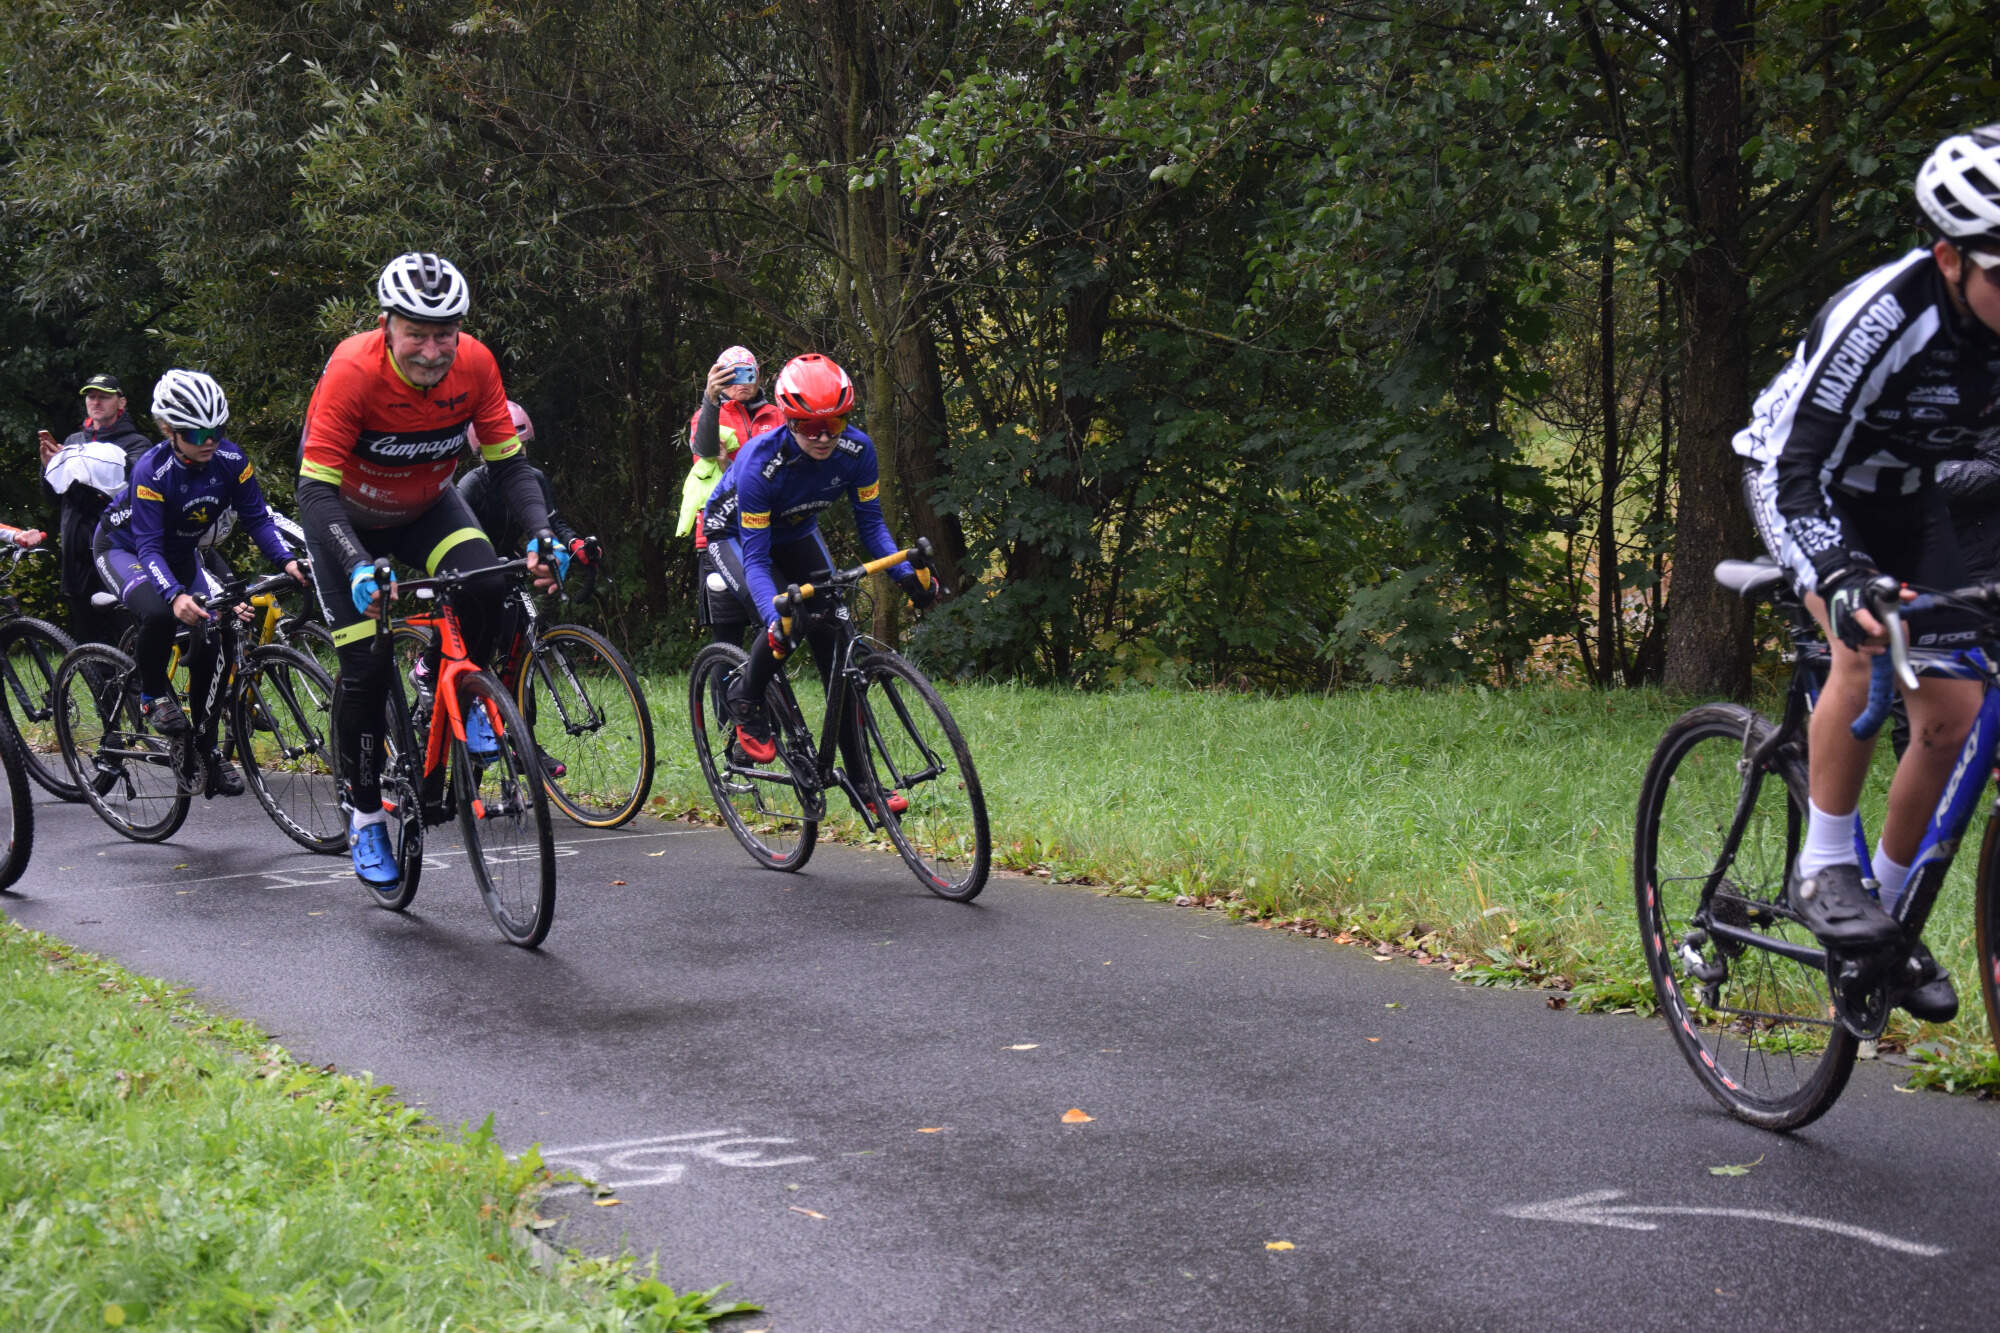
{"points": [[1608, 475], [1708, 630]]}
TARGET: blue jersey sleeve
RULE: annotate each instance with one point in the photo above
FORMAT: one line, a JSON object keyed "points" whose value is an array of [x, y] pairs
{"points": [[148, 526], [864, 492], [247, 497], [755, 498]]}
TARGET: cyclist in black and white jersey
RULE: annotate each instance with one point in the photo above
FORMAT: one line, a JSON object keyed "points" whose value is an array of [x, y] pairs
{"points": [[1899, 372]]}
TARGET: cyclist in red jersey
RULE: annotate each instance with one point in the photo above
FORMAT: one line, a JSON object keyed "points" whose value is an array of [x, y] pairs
{"points": [[383, 433]]}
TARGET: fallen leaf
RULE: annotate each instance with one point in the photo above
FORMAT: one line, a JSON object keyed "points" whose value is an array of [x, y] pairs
{"points": [[656, 853], [1025, 1046], [315, 913], [1075, 1116], [1392, 1005], [1279, 1245], [606, 1203], [617, 881], [1742, 1170], [936, 1129], [1374, 1039], [1558, 1001], [182, 866], [809, 1213]]}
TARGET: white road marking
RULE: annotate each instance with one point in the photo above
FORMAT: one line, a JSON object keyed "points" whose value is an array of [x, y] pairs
{"points": [[326, 870], [1590, 1210], [639, 1157]]}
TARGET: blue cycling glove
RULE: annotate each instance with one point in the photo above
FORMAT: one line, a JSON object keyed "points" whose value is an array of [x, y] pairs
{"points": [[363, 587], [552, 552]]}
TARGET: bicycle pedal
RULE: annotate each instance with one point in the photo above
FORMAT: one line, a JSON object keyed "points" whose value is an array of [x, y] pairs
{"points": [[1859, 985]]}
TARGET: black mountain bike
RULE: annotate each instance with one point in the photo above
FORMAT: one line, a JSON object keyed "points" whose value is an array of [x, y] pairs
{"points": [[276, 701], [30, 651], [919, 787]]}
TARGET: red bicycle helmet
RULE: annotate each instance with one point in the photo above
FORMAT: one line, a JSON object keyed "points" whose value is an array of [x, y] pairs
{"points": [[813, 386]]}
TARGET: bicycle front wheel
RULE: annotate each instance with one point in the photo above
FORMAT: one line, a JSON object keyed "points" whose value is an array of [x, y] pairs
{"points": [[17, 821], [283, 723], [766, 806], [591, 724], [1756, 1025], [916, 750], [125, 770], [30, 652], [503, 816]]}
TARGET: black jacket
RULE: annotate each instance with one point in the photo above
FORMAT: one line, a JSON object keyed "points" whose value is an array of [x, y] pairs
{"points": [[80, 506], [495, 514], [1972, 490]]}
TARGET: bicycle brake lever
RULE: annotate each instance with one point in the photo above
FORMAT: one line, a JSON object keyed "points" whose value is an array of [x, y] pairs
{"points": [[1885, 598]]}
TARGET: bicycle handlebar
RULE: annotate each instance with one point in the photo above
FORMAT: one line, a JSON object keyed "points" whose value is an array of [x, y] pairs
{"points": [[1885, 602], [785, 602]]}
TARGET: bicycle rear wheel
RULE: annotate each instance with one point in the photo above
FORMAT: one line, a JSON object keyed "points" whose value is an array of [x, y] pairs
{"points": [[766, 806], [125, 770], [1755, 1025], [589, 715], [30, 652], [916, 748], [17, 820], [282, 718], [503, 817]]}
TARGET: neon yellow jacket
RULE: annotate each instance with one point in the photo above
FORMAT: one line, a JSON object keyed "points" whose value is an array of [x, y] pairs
{"points": [[700, 483]]}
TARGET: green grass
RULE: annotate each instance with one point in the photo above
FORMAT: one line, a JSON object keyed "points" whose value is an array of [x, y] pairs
{"points": [[1493, 828], [160, 1168]]}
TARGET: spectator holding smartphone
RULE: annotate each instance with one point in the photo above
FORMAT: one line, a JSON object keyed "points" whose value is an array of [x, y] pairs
{"points": [[83, 473], [733, 411]]}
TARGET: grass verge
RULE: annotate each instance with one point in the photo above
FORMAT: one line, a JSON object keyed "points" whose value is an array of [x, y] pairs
{"points": [[160, 1167], [1486, 830]]}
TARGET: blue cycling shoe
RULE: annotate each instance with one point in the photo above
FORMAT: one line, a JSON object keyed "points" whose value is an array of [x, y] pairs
{"points": [[374, 861], [480, 741]]}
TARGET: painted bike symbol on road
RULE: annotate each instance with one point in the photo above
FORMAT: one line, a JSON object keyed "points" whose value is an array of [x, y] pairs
{"points": [[632, 1163], [1594, 1209]]}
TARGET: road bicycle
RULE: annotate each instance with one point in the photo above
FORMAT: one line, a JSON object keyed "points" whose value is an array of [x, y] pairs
{"points": [[30, 651], [17, 819], [502, 811], [277, 705], [918, 783], [1770, 1020], [586, 708]]}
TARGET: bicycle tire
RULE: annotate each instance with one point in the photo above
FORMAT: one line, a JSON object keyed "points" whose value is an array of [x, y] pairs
{"points": [[401, 786], [590, 715], [915, 747], [131, 775], [503, 817], [28, 697], [1761, 1037], [313, 639], [765, 808], [17, 822], [281, 717], [1986, 925]]}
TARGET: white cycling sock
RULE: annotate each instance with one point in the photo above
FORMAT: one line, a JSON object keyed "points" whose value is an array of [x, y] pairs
{"points": [[1891, 876], [1829, 841], [375, 816]]}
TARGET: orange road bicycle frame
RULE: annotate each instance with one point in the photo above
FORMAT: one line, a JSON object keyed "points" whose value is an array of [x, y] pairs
{"points": [[453, 662]]}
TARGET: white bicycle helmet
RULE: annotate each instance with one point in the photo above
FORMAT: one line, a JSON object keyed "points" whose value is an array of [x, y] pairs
{"points": [[189, 400], [423, 286], [1958, 187]]}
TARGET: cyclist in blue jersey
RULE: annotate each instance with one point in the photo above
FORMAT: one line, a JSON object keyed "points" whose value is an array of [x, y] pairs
{"points": [[147, 545], [762, 525], [1899, 372]]}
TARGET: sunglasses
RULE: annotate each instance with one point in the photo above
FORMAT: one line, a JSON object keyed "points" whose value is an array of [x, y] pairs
{"points": [[818, 428], [197, 438]]}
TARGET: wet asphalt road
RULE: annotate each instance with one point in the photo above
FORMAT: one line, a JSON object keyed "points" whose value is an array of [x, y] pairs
{"points": [[847, 1098]]}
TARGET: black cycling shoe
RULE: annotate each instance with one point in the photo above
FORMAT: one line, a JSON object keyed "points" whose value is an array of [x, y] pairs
{"points": [[223, 779], [1839, 912], [1931, 996], [164, 715]]}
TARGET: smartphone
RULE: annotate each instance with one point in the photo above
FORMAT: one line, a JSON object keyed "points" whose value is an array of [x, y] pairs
{"points": [[744, 375]]}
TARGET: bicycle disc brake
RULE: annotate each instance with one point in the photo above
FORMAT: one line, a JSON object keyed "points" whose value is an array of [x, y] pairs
{"points": [[1859, 984]]}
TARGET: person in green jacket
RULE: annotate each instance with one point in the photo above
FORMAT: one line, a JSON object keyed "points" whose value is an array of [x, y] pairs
{"points": [[733, 411]]}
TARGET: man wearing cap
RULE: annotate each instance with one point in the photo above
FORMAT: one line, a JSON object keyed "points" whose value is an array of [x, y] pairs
{"points": [[733, 410], [83, 473]]}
